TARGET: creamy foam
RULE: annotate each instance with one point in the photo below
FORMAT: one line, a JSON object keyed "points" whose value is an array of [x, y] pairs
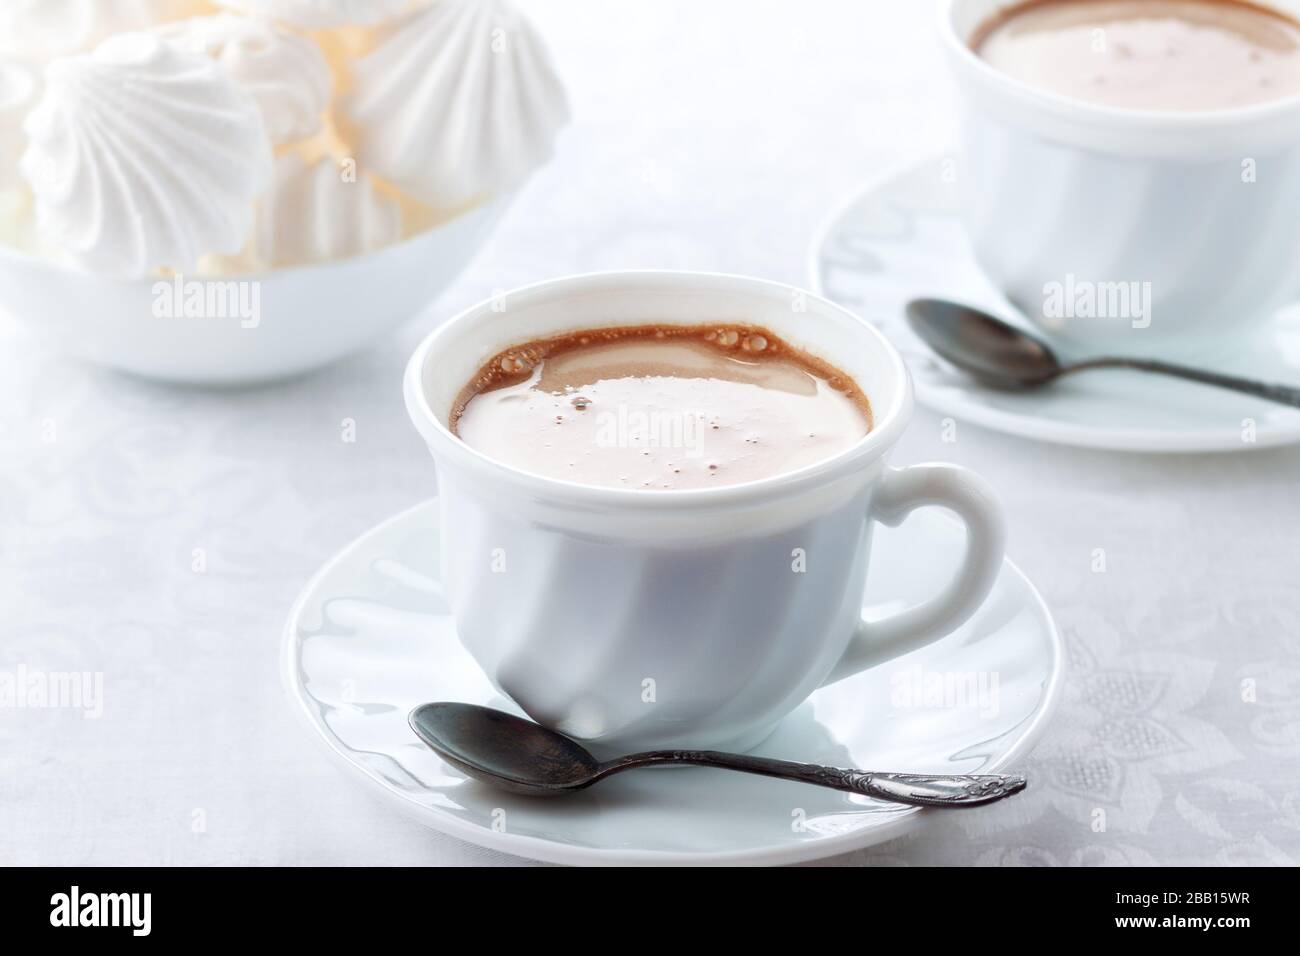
{"points": [[664, 408], [1148, 54]]}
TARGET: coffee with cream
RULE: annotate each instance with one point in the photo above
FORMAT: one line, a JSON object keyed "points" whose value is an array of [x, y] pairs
{"points": [[1148, 54], [660, 408]]}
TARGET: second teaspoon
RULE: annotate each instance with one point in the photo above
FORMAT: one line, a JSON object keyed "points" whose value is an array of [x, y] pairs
{"points": [[998, 354]]}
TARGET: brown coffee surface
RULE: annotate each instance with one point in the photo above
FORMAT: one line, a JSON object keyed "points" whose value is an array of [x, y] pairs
{"points": [[1148, 54], [660, 408]]}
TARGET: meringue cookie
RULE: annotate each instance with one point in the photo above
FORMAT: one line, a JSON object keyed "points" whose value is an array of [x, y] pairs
{"points": [[287, 74], [18, 86], [314, 212], [39, 30], [144, 156], [316, 14], [457, 102]]}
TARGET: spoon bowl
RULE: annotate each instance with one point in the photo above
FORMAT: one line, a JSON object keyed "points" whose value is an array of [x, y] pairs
{"points": [[986, 348], [999, 355], [504, 750]]}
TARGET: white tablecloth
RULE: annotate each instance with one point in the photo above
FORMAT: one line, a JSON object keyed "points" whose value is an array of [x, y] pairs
{"points": [[710, 136]]}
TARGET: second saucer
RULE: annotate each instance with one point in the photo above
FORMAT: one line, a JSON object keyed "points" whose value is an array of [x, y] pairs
{"points": [[902, 238]]}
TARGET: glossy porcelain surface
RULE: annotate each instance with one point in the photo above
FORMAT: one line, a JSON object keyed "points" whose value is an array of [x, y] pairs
{"points": [[638, 619], [372, 636], [1194, 211], [248, 328], [903, 238]]}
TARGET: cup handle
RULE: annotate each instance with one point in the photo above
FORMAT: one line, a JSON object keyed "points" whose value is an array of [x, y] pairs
{"points": [[902, 491]]}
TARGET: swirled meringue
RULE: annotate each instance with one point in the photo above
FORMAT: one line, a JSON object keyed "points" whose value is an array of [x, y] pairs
{"points": [[320, 212], [286, 73], [316, 14], [456, 103], [18, 85], [143, 156], [39, 30], [315, 211]]}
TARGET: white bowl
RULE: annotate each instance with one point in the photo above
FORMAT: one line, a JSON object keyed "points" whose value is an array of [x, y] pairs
{"points": [[306, 317]]}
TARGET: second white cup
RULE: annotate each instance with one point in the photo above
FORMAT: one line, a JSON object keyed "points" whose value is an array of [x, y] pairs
{"points": [[1127, 232]]}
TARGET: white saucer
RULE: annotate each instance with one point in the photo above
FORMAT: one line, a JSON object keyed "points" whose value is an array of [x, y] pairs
{"points": [[901, 238], [369, 638]]}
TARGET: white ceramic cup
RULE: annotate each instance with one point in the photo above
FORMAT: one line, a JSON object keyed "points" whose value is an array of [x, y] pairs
{"points": [[639, 619], [1182, 228]]}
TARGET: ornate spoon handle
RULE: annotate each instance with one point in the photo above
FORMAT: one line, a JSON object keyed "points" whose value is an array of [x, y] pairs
{"points": [[928, 790], [914, 789]]}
